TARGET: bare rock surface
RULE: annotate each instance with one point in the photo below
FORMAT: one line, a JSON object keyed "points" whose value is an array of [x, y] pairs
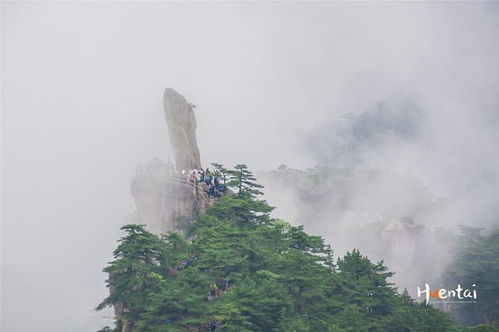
{"points": [[182, 130], [161, 191]]}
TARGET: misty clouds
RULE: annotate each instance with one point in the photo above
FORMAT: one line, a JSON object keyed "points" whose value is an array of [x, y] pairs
{"points": [[346, 142], [81, 107]]}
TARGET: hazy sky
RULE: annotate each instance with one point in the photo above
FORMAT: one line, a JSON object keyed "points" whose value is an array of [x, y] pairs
{"points": [[81, 105]]}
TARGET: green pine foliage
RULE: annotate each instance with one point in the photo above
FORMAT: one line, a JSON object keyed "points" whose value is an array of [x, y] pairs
{"points": [[244, 181], [221, 172], [477, 263], [246, 271]]}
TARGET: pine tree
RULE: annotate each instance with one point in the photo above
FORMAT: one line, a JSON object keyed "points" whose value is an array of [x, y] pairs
{"points": [[243, 181], [222, 171], [137, 258], [273, 277]]}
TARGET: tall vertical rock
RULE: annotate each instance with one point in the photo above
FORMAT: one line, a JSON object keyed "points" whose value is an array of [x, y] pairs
{"points": [[161, 191], [182, 130]]}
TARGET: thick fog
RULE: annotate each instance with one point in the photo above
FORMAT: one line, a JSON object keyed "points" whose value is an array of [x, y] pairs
{"points": [[82, 87]]}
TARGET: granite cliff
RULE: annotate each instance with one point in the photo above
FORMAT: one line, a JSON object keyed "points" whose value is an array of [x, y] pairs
{"points": [[160, 190], [182, 130]]}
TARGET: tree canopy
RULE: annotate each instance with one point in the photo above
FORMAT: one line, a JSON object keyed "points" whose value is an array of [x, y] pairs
{"points": [[244, 181], [246, 271], [477, 263]]}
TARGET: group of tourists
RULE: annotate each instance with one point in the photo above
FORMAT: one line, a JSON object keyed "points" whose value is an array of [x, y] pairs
{"points": [[214, 187], [183, 264], [216, 288]]}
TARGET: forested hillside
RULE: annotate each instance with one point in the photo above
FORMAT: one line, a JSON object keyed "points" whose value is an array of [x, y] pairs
{"points": [[237, 269]]}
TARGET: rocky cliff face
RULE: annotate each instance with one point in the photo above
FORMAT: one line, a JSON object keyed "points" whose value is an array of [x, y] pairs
{"points": [[182, 130], [161, 190]]}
